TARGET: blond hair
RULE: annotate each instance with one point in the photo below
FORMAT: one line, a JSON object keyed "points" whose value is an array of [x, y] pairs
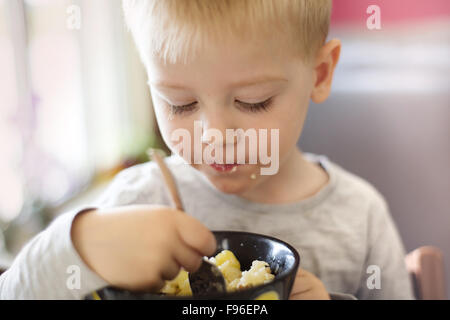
{"points": [[176, 29]]}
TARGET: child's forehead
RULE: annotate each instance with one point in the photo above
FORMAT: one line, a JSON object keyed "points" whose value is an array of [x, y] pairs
{"points": [[233, 64], [233, 52]]}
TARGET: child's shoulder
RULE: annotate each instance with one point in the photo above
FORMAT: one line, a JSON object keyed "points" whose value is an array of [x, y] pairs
{"points": [[354, 191], [142, 183], [352, 183], [148, 171]]}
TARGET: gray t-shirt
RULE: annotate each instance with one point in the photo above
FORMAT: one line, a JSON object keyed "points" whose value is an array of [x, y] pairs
{"points": [[344, 233]]}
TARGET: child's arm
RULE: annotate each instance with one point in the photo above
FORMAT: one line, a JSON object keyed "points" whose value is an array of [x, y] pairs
{"points": [[44, 266], [139, 246], [133, 247], [48, 265]]}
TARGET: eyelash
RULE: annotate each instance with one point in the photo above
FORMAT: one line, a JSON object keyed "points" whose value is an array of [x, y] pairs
{"points": [[251, 107], [256, 107], [182, 109]]}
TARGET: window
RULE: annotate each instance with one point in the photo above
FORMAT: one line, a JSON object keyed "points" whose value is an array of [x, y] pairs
{"points": [[74, 100]]}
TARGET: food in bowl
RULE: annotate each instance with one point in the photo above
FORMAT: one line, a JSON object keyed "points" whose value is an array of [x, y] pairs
{"points": [[282, 258], [235, 279]]}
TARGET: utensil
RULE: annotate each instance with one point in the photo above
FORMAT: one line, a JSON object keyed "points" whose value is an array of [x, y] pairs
{"points": [[207, 279]]}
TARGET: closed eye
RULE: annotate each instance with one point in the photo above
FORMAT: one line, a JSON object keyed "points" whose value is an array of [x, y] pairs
{"points": [[251, 107], [255, 107], [183, 108]]}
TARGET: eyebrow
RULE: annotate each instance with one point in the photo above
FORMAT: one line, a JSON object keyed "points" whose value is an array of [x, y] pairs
{"points": [[245, 83]]}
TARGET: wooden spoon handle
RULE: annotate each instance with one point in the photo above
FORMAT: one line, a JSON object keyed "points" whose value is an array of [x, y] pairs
{"points": [[169, 181]]}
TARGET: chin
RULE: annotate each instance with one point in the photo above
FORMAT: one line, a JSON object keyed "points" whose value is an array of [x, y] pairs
{"points": [[230, 188], [235, 185]]}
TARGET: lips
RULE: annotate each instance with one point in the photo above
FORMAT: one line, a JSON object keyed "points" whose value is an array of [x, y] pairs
{"points": [[223, 167]]}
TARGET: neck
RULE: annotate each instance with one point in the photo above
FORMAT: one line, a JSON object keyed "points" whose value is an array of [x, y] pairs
{"points": [[297, 179]]}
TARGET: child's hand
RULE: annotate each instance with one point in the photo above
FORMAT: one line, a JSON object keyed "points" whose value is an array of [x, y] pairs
{"points": [[308, 287], [138, 247]]}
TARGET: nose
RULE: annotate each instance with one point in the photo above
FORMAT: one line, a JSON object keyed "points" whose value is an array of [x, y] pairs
{"points": [[219, 135], [215, 125]]}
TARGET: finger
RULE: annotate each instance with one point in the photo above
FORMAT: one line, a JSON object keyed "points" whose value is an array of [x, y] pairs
{"points": [[152, 283], [194, 234], [171, 269], [187, 257], [300, 290], [155, 285], [304, 273], [301, 284], [307, 295]]}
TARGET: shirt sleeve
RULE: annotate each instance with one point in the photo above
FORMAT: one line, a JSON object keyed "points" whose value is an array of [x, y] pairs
{"points": [[49, 267], [384, 276]]}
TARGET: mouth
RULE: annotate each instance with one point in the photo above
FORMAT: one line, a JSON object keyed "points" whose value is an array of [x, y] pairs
{"points": [[224, 167]]}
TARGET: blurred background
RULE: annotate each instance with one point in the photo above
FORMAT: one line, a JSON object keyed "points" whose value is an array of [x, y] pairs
{"points": [[75, 109]]}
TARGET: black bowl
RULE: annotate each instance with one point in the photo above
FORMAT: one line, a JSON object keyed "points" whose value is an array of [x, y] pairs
{"points": [[282, 258]]}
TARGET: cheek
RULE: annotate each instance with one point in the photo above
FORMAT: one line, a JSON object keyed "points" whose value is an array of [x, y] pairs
{"points": [[165, 125], [171, 128], [289, 120], [291, 129]]}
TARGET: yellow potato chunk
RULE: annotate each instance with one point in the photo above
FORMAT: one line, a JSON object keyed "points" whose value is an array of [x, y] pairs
{"points": [[179, 285], [271, 295], [229, 257]]}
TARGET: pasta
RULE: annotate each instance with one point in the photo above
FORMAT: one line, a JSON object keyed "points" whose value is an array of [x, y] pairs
{"points": [[235, 279]]}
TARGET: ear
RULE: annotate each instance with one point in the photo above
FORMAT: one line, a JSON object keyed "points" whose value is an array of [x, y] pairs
{"points": [[326, 60]]}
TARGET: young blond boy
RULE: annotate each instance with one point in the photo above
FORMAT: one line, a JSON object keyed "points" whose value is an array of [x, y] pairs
{"points": [[229, 64]]}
